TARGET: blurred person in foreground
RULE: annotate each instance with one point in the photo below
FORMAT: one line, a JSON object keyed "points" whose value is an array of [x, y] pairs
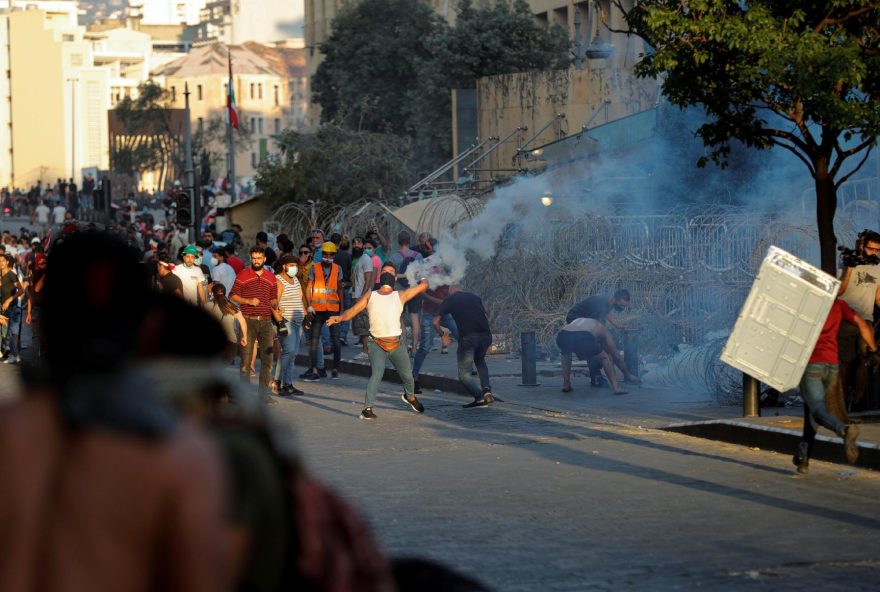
{"points": [[111, 491]]}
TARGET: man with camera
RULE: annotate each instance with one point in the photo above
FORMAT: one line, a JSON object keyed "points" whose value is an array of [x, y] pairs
{"points": [[860, 289]]}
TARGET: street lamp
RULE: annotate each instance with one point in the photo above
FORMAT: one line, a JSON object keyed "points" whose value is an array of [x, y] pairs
{"points": [[547, 198], [73, 82]]}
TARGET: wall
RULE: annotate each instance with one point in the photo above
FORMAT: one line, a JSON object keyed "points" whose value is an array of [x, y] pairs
{"points": [[533, 98]]}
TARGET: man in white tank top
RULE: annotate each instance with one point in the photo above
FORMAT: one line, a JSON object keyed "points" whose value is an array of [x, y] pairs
{"points": [[385, 307]]}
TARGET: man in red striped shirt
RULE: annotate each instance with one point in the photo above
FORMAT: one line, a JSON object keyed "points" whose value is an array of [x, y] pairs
{"points": [[256, 292]]}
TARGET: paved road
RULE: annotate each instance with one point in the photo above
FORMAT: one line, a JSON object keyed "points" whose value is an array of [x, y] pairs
{"points": [[529, 499], [535, 500]]}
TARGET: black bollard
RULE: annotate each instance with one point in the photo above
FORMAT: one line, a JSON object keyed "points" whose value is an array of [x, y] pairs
{"points": [[631, 351], [751, 405], [529, 358]]}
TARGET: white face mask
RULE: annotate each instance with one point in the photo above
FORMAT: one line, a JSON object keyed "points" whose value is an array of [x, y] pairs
{"points": [[291, 270]]}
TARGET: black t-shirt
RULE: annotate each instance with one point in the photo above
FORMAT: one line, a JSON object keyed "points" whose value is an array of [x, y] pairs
{"points": [[8, 285], [594, 307], [468, 312], [171, 283]]}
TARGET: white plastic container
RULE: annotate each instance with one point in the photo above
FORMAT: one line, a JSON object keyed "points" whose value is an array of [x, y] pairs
{"points": [[781, 320]]}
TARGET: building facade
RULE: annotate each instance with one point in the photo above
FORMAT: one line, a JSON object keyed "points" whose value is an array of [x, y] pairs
{"points": [[263, 78], [264, 21], [166, 12]]}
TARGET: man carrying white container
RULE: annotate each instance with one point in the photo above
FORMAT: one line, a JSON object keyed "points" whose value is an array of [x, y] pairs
{"points": [[820, 373]]}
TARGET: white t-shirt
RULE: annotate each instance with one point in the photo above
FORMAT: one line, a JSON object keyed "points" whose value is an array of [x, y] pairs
{"points": [[58, 214], [364, 266], [862, 289], [224, 274], [190, 277], [43, 212], [384, 311]]}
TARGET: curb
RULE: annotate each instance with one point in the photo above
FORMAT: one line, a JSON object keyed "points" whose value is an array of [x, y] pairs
{"points": [[426, 380], [776, 439]]}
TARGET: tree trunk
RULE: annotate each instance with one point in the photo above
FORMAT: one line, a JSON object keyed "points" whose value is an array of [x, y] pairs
{"points": [[826, 206]]}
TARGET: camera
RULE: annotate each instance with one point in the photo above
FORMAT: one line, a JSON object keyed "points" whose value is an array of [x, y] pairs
{"points": [[857, 256], [281, 327]]}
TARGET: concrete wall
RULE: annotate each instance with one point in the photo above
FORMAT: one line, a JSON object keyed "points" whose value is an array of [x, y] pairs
{"points": [[251, 215]]}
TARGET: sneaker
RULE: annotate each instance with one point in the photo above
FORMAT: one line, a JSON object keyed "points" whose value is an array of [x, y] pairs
{"points": [[362, 356], [291, 391], [276, 387], [367, 413], [801, 460], [444, 350], [850, 444], [343, 342], [416, 388], [334, 374], [12, 360], [322, 373], [599, 382], [311, 377], [306, 373], [484, 402], [414, 403]]}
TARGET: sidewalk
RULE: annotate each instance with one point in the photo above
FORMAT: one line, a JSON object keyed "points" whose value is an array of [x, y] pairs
{"points": [[649, 406]]}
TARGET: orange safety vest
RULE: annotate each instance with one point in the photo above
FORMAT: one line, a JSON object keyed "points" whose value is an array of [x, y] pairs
{"points": [[325, 298]]}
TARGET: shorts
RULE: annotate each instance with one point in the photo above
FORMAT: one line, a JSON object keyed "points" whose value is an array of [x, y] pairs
{"points": [[582, 343], [360, 324], [414, 306]]}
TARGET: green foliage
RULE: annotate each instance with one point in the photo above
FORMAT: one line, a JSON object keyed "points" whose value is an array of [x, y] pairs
{"points": [[390, 65], [146, 131], [802, 75], [336, 165]]}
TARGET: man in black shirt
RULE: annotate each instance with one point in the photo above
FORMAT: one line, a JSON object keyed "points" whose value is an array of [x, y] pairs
{"points": [[474, 339], [169, 282], [599, 307]]}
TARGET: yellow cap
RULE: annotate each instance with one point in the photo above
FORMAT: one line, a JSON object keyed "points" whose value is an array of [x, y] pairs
{"points": [[328, 247]]}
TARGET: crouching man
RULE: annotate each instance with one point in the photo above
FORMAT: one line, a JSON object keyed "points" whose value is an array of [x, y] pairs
{"points": [[591, 340]]}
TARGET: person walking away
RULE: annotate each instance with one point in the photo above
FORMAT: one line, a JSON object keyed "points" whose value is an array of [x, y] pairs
{"points": [[474, 339], [820, 373], [591, 340], [192, 277], [227, 314], [324, 295], [384, 307], [255, 291], [292, 304], [11, 289]]}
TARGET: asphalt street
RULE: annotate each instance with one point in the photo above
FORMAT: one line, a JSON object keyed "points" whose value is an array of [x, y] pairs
{"points": [[530, 499]]}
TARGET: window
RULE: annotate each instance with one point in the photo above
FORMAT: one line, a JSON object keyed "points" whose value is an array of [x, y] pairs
{"points": [[76, 59], [277, 125], [253, 159], [67, 38], [260, 126], [253, 124], [173, 94], [199, 92], [252, 90], [225, 89], [277, 96], [260, 90], [200, 125]]}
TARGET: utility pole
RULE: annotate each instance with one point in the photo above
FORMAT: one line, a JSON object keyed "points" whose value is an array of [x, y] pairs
{"points": [[73, 82], [190, 176]]}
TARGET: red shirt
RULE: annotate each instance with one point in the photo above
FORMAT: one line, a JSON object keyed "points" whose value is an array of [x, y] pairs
{"points": [[250, 285], [235, 263], [825, 351]]}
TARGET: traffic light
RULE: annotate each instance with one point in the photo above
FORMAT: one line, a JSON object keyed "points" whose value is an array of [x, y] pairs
{"points": [[184, 207]]}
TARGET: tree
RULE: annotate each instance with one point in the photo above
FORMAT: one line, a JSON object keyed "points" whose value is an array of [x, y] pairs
{"points": [[390, 65], [146, 140], [336, 165], [803, 76]]}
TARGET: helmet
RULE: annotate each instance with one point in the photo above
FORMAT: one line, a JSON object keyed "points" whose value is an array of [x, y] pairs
{"points": [[329, 248], [191, 250]]}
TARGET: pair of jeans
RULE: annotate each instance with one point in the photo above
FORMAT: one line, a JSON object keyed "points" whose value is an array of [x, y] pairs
{"points": [[472, 352], [399, 359], [815, 381], [284, 369], [426, 336], [346, 304], [315, 339], [260, 331], [10, 331]]}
